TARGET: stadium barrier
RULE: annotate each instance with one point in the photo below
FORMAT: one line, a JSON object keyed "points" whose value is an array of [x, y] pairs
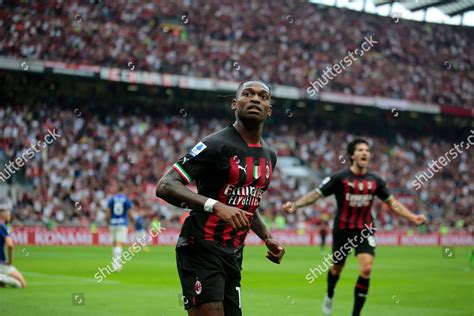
{"points": [[80, 236], [212, 84]]}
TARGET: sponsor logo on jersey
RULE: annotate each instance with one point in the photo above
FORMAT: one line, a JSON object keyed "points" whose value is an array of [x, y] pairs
{"points": [[359, 200], [243, 196]]}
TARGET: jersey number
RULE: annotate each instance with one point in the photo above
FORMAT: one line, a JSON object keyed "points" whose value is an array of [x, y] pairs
{"points": [[238, 291], [118, 209]]}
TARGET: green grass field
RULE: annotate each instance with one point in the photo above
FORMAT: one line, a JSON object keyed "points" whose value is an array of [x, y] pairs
{"points": [[405, 281]]}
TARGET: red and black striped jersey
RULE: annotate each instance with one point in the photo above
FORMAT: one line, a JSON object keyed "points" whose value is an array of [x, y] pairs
{"points": [[354, 196], [231, 171]]}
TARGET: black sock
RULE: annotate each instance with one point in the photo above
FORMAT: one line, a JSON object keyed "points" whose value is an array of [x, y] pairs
{"points": [[360, 293], [332, 280]]}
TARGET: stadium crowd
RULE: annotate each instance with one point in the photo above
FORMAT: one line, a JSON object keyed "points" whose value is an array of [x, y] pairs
{"points": [[290, 43], [71, 178]]}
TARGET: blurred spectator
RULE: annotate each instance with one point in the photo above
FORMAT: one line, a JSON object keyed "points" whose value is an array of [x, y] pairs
{"points": [[71, 178], [236, 40]]}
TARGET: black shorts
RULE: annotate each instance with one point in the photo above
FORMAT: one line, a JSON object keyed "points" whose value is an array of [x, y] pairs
{"points": [[344, 241], [210, 273]]}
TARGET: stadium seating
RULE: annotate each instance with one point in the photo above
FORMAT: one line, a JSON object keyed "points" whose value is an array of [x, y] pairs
{"points": [[289, 43], [71, 178]]}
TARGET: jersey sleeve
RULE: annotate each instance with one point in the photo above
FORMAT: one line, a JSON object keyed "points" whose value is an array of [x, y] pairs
{"points": [[197, 161], [327, 186], [382, 192]]}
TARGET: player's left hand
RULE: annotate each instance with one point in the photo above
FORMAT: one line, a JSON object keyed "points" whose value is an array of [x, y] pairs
{"points": [[419, 219], [275, 250]]}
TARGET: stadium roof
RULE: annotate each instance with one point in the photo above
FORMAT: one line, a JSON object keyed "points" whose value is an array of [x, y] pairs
{"points": [[448, 7], [435, 11]]}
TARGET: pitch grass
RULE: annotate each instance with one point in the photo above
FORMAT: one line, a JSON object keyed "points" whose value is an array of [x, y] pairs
{"points": [[405, 281]]}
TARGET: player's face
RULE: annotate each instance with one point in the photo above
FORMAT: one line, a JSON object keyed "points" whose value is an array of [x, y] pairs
{"points": [[253, 102], [361, 155], [5, 215]]}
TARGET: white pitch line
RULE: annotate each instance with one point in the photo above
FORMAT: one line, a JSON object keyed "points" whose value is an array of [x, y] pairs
{"points": [[68, 277]]}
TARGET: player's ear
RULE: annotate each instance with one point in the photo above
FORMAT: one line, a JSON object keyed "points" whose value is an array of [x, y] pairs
{"points": [[270, 109], [233, 104]]}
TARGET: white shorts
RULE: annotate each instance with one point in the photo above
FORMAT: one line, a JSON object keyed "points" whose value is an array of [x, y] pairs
{"points": [[6, 269], [119, 233], [139, 235]]}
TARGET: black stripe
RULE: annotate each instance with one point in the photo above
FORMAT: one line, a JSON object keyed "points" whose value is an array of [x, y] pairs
{"points": [[219, 230]]}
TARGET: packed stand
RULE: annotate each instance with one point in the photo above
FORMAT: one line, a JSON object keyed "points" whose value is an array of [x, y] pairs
{"points": [[71, 178], [283, 42]]}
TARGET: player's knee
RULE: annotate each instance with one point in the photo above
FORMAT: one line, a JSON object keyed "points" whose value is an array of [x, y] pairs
{"points": [[366, 270], [336, 269]]}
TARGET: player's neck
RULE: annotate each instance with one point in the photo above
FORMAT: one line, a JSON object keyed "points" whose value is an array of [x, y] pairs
{"points": [[250, 133], [358, 170]]}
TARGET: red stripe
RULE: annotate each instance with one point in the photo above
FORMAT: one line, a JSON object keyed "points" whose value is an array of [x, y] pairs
{"points": [[250, 163], [226, 234], [345, 210], [360, 222], [254, 145], [368, 219], [354, 208], [210, 227], [234, 171], [360, 286], [237, 238]]}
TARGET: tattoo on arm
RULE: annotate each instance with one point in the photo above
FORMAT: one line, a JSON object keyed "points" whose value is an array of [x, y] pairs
{"points": [[308, 199]]}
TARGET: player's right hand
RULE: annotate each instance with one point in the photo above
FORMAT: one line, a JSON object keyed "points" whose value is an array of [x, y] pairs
{"points": [[289, 207], [235, 217]]}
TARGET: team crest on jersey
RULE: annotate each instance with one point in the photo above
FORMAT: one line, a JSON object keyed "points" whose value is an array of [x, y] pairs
{"points": [[267, 171], [198, 287], [197, 149]]}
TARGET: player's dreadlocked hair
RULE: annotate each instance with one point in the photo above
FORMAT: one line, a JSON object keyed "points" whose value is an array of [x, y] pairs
{"points": [[241, 85], [351, 147]]}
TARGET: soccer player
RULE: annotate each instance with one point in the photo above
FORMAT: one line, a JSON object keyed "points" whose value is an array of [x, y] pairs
{"points": [[9, 275], [232, 169], [139, 219], [118, 216], [355, 189]]}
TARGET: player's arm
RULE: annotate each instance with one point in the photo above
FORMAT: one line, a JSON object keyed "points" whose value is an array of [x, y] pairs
{"points": [[307, 199], [108, 211], [131, 219], [275, 249], [172, 189], [397, 207], [9, 244]]}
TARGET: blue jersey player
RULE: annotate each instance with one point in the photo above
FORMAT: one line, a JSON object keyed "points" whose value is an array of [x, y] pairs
{"points": [[9, 275], [118, 217], [139, 218]]}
